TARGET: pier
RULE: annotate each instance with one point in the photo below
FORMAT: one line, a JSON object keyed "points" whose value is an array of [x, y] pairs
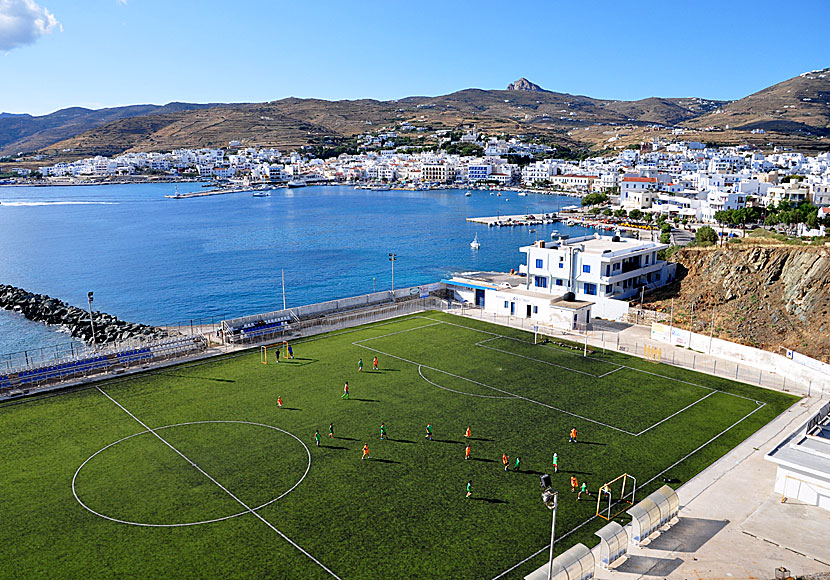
{"points": [[516, 220]]}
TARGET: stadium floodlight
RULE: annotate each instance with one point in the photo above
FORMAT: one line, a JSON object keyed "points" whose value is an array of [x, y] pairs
{"points": [[91, 323], [392, 258], [544, 480], [550, 497]]}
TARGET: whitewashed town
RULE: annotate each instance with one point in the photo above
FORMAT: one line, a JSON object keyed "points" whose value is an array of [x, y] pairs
{"points": [[685, 180]]}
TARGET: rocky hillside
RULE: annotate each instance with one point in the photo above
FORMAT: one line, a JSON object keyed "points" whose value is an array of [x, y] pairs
{"points": [[800, 105], [768, 297]]}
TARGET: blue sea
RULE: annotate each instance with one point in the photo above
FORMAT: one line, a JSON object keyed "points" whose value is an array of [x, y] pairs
{"points": [[164, 261]]}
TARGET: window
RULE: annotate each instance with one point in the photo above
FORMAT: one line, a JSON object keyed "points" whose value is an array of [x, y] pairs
{"points": [[540, 281], [561, 265], [608, 289], [607, 270], [646, 260], [616, 266], [586, 268], [590, 289], [506, 304], [540, 263], [558, 282], [535, 310]]}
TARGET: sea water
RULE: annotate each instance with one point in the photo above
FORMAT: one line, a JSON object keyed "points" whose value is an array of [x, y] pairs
{"points": [[156, 260]]}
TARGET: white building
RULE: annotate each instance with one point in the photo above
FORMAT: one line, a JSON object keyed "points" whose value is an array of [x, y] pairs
{"points": [[803, 461], [637, 192]]}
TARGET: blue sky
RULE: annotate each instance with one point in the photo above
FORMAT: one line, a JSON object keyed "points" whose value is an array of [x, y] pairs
{"points": [[98, 53]]}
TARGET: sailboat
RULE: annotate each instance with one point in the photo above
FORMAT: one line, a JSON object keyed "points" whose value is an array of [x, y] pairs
{"points": [[468, 194], [474, 244]]}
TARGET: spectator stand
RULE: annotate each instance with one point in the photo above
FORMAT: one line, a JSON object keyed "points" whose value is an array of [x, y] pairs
{"points": [[19, 381]]}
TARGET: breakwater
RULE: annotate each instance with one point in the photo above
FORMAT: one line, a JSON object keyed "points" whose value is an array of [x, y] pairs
{"points": [[48, 310]]}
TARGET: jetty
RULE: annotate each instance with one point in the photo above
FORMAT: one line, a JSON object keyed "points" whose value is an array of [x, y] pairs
{"points": [[516, 220], [220, 191]]}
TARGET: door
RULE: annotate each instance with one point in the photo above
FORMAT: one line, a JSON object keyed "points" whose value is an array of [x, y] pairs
{"points": [[480, 298], [512, 309], [529, 307]]}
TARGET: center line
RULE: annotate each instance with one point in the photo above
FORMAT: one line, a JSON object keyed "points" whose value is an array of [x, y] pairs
{"points": [[222, 487]]}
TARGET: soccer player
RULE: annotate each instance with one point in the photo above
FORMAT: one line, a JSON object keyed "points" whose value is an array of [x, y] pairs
{"points": [[469, 488], [555, 463], [375, 363], [277, 354], [345, 394], [279, 401], [383, 431], [290, 352], [365, 451], [331, 430], [468, 433], [467, 452], [360, 365], [429, 432], [574, 483], [583, 489], [518, 462], [317, 437], [573, 436], [506, 461]]}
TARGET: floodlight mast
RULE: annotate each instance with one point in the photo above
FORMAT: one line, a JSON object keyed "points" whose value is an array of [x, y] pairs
{"points": [[550, 498], [91, 323]]}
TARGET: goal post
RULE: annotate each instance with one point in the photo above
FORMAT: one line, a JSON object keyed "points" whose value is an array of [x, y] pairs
{"points": [[265, 351], [617, 493]]}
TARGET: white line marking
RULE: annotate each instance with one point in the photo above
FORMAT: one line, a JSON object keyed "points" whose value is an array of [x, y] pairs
{"points": [[677, 412], [529, 400], [547, 547], [482, 345], [106, 517], [461, 392], [222, 487], [397, 332], [609, 372]]}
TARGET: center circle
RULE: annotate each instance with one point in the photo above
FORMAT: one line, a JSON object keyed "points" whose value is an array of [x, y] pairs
{"points": [[227, 492]]}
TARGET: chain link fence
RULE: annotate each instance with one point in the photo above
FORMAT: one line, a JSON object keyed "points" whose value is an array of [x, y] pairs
{"points": [[613, 337]]}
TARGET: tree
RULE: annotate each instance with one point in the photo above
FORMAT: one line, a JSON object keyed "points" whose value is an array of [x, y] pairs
{"points": [[706, 235], [635, 214], [665, 238], [594, 199], [620, 213], [607, 212]]}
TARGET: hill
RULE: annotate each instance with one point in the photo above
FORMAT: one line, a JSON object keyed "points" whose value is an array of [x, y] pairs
{"points": [[23, 132], [794, 113], [767, 297], [800, 105]]}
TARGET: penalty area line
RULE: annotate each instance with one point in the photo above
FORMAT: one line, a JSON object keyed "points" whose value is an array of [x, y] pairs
{"points": [[222, 487]]}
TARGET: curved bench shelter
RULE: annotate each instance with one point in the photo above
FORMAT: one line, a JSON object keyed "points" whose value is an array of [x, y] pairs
{"points": [[613, 544]]}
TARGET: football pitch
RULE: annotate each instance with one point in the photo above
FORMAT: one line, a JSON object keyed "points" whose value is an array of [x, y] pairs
{"points": [[193, 470]]}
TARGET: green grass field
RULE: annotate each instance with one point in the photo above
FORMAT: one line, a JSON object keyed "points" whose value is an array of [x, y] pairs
{"points": [[193, 471]]}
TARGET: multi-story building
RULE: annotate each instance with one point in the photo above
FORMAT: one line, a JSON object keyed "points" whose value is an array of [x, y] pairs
{"points": [[637, 192]]}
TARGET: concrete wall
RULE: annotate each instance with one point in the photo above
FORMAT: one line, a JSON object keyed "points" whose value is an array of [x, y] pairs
{"points": [[804, 487], [610, 309], [760, 359]]}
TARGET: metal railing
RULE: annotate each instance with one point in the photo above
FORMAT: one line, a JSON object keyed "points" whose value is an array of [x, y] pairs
{"points": [[613, 339]]}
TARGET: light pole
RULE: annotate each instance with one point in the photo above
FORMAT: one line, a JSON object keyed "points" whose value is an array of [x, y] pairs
{"points": [[392, 258], [550, 497], [91, 323]]}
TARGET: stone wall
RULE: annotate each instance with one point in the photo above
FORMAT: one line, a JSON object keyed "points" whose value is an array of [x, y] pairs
{"points": [[48, 310]]}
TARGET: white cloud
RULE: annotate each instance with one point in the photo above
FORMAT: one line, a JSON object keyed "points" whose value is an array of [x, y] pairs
{"points": [[23, 22], [122, 2]]}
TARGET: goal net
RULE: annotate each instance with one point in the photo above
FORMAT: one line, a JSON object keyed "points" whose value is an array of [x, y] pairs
{"points": [[615, 496], [271, 351]]}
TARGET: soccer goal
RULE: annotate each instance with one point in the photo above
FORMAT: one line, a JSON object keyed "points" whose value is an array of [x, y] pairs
{"points": [[614, 497], [271, 349]]}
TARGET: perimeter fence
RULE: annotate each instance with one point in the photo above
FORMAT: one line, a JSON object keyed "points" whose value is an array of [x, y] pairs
{"points": [[619, 337]]}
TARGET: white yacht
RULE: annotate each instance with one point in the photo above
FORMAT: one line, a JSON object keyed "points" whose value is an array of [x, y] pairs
{"points": [[474, 244]]}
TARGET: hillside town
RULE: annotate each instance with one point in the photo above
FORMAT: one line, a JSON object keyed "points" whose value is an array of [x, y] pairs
{"points": [[686, 180]]}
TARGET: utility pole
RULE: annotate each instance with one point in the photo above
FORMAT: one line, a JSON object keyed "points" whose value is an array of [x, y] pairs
{"points": [[392, 258], [91, 323]]}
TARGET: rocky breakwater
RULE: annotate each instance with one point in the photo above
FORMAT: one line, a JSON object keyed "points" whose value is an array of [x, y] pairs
{"points": [[48, 310]]}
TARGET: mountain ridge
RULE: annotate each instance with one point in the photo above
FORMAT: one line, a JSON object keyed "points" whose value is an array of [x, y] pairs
{"points": [[293, 122]]}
